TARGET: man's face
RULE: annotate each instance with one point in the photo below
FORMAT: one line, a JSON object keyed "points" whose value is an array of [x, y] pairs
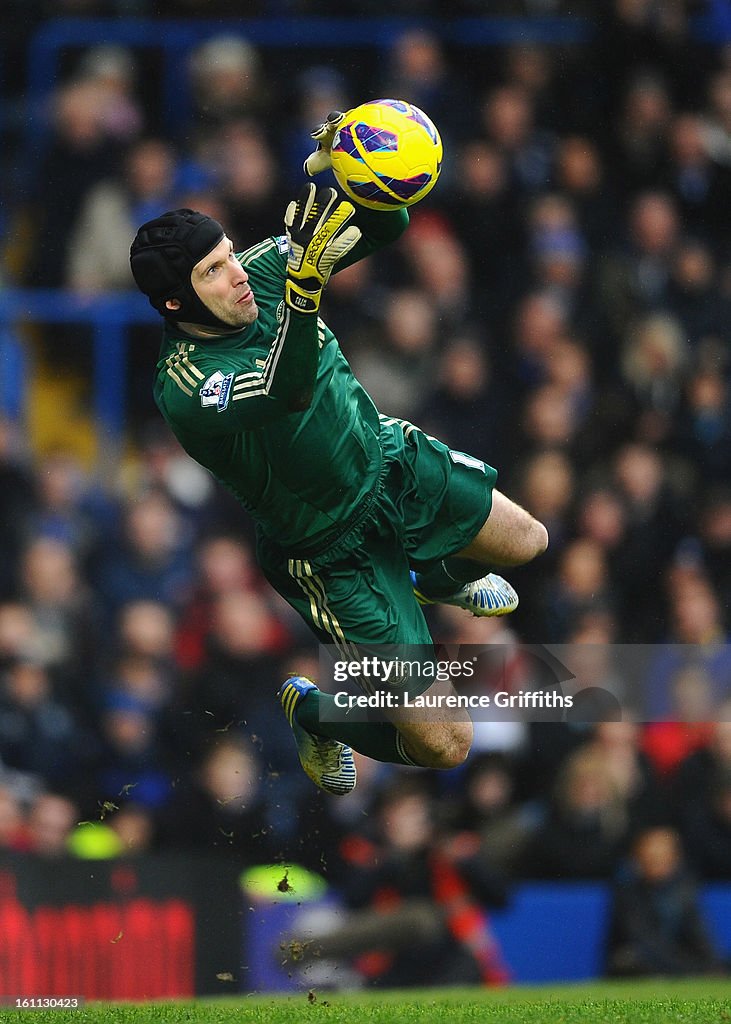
{"points": [[222, 284]]}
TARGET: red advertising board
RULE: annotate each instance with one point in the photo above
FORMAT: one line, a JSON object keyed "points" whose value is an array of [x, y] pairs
{"points": [[150, 928]]}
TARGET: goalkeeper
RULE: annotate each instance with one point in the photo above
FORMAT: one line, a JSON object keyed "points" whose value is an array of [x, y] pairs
{"points": [[360, 518]]}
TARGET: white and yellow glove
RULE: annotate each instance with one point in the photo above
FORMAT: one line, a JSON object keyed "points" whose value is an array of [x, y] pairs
{"points": [[323, 135], [317, 238]]}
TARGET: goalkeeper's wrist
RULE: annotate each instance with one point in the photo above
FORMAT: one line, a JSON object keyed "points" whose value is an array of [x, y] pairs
{"points": [[301, 299]]}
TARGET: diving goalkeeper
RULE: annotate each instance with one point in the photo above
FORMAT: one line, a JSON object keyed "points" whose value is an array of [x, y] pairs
{"points": [[360, 518]]}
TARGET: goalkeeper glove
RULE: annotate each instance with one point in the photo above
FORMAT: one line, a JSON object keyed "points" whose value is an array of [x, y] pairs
{"points": [[317, 237], [323, 135]]}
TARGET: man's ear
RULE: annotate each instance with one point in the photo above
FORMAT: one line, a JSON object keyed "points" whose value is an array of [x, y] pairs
{"points": [[173, 305]]}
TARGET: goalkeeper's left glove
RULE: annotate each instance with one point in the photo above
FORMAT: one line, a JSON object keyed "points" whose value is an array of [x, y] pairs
{"points": [[323, 136], [317, 237]]}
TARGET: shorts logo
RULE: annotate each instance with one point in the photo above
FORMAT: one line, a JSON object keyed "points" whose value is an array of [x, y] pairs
{"points": [[467, 460], [216, 390]]}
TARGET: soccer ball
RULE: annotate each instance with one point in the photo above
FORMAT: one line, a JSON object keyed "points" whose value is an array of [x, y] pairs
{"points": [[386, 154]]}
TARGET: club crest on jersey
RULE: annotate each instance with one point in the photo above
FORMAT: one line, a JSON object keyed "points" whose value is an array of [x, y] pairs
{"points": [[216, 390]]}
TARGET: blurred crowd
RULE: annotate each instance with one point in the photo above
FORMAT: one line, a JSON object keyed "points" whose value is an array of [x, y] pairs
{"points": [[559, 307]]}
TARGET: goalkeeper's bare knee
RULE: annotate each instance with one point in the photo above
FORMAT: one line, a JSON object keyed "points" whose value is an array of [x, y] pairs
{"points": [[441, 745]]}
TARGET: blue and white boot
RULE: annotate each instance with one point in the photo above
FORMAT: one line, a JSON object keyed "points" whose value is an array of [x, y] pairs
{"points": [[489, 596], [328, 762]]}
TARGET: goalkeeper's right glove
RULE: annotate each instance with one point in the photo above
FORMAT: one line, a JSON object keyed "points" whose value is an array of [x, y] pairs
{"points": [[317, 237], [323, 135]]}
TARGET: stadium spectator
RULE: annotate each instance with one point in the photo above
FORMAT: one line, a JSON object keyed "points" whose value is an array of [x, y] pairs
{"points": [[49, 823], [551, 420], [149, 560], [38, 733], [134, 826], [249, 181], [540, 322], [714, 540], [464, 387], [81, 154], [619, 745], [98, 252], [704, 430], [547, 489], [697, 302], [140, 679], [228, 84], [591, 658], [223, 565], [19, 479], [133, 759], [717, 120], [508, 115], [70, 504], [689, 726], [657, 927], [586, 828], [581, 176], [446, 280], [706, 830], [111, 71], [231, 687], [17, 632], [654, 529], [639, 154], [698, 183], [633, 36], [416, 901], [353, 304], [163, 466], [601, 517], [654, 363], [569, 372], [63, 609], [482, 203], [400, 369], [146, 629], [219, 808], [318, 90], [634, 279], [418, 68], [489, 809], [581, 585], [12, 821], [534, 68], [698, 639], [557, 251], [701, 770]]}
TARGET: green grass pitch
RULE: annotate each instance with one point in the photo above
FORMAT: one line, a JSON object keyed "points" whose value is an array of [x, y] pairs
{"points": [[699, 1001]]}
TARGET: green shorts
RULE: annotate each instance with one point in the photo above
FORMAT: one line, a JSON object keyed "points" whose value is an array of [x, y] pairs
{"points": [[431, 503]]}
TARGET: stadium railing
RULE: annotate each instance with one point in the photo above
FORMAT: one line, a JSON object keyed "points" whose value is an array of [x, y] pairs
{"points": [[176, 38], [109, 317]]}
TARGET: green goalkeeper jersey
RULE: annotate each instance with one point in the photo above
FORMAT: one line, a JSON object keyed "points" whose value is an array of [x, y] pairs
{"points": [[274, 411]]}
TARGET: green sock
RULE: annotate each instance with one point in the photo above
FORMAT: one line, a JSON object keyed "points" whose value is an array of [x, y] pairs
{"points": [[445, 577], [380, 740]]}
